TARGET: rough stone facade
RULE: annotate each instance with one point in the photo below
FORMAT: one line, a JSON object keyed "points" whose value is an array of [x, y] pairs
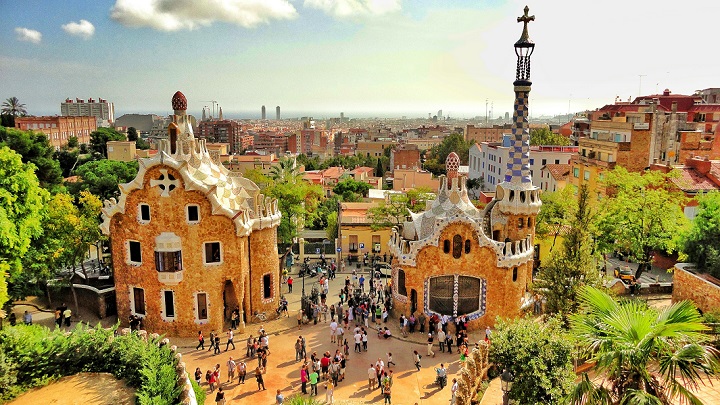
{"points": [[701, 289], [179, 207]]}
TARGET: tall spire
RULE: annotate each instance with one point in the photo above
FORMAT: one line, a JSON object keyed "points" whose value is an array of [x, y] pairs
{"points": [[518, 166]]}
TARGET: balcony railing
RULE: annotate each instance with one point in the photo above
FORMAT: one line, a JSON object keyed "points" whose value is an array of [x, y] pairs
{"points": [[170, 277]]}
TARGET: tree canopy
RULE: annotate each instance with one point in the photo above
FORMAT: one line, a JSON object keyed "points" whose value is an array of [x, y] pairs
{"points": [[641, 215], [544, 136], [351, 190], [11, 108], [34, 147], [102, 177], [394, 210], [575, 265], [100, 137], [539, 355], [435, 162], [21, 201], [702, 243]]}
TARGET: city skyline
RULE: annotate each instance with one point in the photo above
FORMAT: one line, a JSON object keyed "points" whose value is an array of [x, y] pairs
{"points": [[361, 57]]}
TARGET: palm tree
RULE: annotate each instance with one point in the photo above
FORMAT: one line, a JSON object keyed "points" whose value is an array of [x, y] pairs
{"points": [[285, 171], [13, 107], [646, 356]]}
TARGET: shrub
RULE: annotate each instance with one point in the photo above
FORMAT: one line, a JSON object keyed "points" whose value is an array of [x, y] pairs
{"points": [[32, 356], [199, 392]]}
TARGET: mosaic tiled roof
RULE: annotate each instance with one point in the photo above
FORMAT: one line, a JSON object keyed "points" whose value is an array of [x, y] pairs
{"points": [[452, 200]]}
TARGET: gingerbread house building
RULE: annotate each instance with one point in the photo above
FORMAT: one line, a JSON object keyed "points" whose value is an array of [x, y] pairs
{"points": [[456, 260], [191, 241]]}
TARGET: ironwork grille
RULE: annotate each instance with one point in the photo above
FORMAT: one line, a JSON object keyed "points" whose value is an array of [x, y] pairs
{"points": [[441, 294], [468, 295]]}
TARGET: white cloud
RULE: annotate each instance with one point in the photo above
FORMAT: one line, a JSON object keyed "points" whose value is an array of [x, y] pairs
{"points": [[83, 29], [174, 15], [352, 8], [28, 35]]}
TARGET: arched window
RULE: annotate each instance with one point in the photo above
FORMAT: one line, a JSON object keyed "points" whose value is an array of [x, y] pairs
{"points": [[529, 222], [521, 222], [441, 294], [446, 246], [467, 246], [468, 295], [457, 246], [514, 274], [402, 290]]}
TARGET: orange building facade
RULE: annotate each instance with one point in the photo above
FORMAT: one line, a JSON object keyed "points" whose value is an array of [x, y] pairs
{"points": [[59, 129], [191, 241]]}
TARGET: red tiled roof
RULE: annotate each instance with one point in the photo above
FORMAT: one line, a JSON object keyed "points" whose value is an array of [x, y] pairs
{"points": [[333, 172], [705, 108], [559, 172], [362, 169], [690, 180]]}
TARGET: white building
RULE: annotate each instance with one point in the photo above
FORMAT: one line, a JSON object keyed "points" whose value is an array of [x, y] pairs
{"points": [[488, 160], [100, 109]]}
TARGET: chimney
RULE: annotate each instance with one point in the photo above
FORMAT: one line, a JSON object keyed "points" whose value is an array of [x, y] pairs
{"points": [[666, 92], [674, 107]]}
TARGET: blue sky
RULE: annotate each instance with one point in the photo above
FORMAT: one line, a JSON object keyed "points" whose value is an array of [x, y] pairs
{"points": [[363, 57]]}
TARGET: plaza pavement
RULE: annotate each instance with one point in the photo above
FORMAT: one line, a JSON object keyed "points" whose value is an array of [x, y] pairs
{"points": [[410, 386]]}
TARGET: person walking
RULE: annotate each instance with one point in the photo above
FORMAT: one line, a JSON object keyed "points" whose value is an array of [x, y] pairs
{"points": [[313, 382], [198, 375], [27, 318], [231, 365], [386, 393], [212, 341], [430, 352], [242, 372], [300, 318], [220, 397], [416, 359], [453, 391], [201, 341], [372, 377], [333, 330], [290, 283], [279, 398], [390, 360], [358, 342], [231, 336], [329, 393], [259, 379], [217, 344], [212, 381], [67, 314], [304, 378], [441, 340]]}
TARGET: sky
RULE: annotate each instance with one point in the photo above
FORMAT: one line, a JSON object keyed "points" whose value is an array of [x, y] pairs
{"points": [[361, 57]]}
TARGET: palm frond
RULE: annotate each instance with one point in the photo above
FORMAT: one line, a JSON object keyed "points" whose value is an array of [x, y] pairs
{"points": [[587, 393]]}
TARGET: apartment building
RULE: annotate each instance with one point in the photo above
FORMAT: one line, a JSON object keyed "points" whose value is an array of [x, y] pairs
{"points": [[59, 129]]}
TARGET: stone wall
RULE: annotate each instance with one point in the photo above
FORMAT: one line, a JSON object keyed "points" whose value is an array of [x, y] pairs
{"points": [[503, 295], [699, 288], [263, 261], [472, 373]]}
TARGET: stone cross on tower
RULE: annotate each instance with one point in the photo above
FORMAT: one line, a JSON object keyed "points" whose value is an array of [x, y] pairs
{"points": [[525, 19]]}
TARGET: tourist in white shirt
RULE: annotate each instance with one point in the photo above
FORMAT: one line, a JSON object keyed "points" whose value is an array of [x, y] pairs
{"points": [[333, 331]]}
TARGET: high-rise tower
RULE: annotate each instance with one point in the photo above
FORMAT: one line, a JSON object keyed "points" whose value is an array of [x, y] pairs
{"points": [[277, 113], [263, 112], [516, 197]]}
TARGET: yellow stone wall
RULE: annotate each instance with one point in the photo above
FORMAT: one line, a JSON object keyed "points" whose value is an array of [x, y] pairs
{"points": [[168, 214], [503, 294], [263, 260]]}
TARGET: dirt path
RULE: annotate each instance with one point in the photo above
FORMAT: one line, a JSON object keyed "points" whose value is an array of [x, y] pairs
{"points": [[83, 388]]}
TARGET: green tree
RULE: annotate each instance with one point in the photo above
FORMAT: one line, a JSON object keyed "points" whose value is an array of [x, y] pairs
{"points": [[379, 170], [648, 356], [544, 136], [296, 201], [35, 148], [72, 142], [642, 215], [318, 218], [575, 266], [435, 163], [132, 134], [100, 137], [308, 163], [21, 202], [257, 177], [332, 226], [702, 243], [68, 160], [555, 215], [285, 171], [394, 210], [102, 177], [69, 230], [539, 355], [351, 190]]}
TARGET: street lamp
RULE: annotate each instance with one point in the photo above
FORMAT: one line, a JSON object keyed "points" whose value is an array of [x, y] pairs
{"points": [[506, 383]]}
